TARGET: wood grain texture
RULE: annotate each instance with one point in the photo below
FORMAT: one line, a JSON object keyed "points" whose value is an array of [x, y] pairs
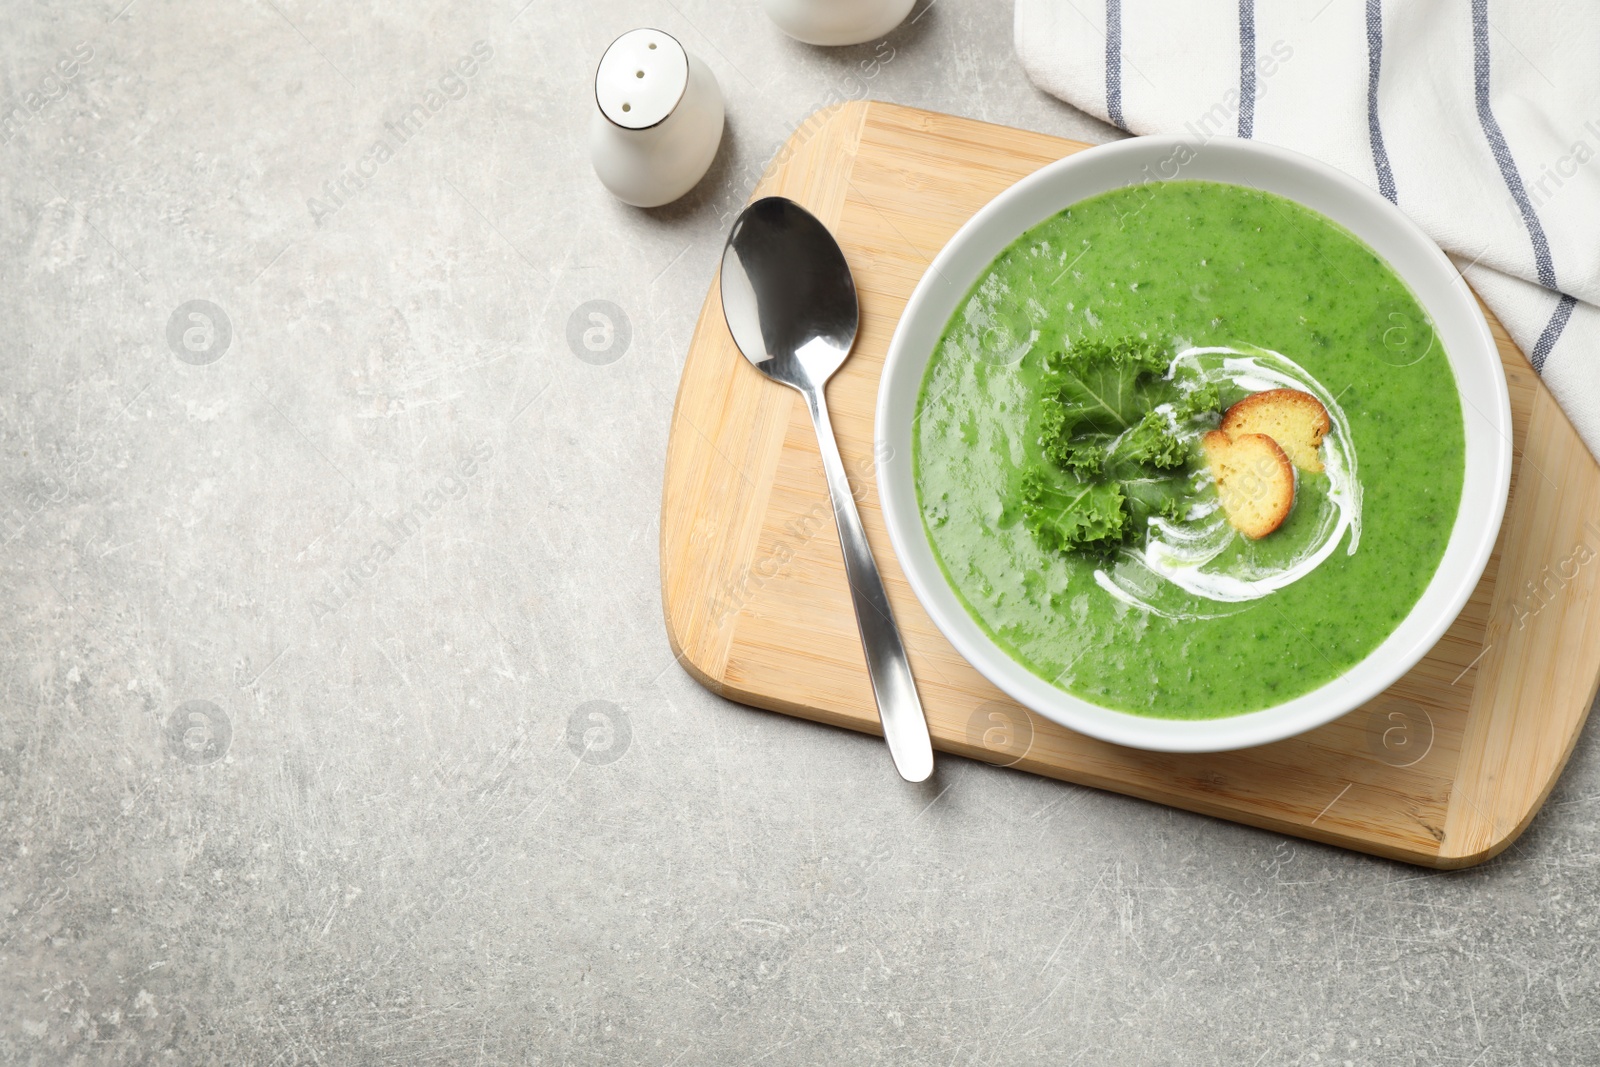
{"points": [[1444, 769]]}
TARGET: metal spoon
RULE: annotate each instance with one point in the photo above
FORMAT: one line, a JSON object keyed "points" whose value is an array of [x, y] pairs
{"points": [[790, 303]]}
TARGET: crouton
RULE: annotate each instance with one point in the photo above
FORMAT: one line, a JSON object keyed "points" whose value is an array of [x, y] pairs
{"points": [[1296, 421], [1255, 480]]}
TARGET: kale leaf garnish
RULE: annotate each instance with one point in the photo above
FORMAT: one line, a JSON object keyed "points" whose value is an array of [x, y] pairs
{"points": [[1115, 451]]}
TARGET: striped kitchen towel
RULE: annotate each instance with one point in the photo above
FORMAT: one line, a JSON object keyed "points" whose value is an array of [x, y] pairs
{"points": [[1480, 120]]}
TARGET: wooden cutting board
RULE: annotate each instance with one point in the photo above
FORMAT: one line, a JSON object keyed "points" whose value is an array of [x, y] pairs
{"points": [[1444, 769]]}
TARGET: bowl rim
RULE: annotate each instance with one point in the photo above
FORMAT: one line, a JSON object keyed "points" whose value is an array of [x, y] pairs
{"points": [[1472, 354]]}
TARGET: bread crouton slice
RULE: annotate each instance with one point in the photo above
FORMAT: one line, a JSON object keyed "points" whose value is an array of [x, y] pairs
{"points": [[1255, 480], [1296, 421]]}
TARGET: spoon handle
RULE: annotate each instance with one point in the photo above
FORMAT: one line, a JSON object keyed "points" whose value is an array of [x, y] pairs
{"points": [[899, 709]]}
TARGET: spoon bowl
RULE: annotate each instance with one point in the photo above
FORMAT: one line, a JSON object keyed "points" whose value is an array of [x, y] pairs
{"points": [[787, 293]]}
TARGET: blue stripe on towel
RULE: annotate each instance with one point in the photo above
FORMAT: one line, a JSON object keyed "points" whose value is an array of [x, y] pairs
{"points": [[1380, 154], [1552, 331], [1502, 153], [1247, 67], [1114, 63]]}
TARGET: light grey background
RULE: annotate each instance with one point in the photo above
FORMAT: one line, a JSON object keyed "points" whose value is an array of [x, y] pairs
{"points": [[418, 839]]}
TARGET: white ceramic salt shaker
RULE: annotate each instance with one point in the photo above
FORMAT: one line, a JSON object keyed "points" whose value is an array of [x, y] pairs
{"points": [[834, 22], [657, 120]]}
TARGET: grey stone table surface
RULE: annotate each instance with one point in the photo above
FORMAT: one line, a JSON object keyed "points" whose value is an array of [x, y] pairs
{"points": [[339, 722]]}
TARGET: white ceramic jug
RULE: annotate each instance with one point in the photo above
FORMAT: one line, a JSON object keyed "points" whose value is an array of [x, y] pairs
{"points": [[833, 22], [657, 120]]}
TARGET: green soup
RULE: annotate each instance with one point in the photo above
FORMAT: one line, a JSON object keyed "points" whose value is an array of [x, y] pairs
{"points": [[1248, 280]]}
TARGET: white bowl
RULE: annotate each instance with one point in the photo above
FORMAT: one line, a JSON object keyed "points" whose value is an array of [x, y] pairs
{"points": [[1485, 410]]}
